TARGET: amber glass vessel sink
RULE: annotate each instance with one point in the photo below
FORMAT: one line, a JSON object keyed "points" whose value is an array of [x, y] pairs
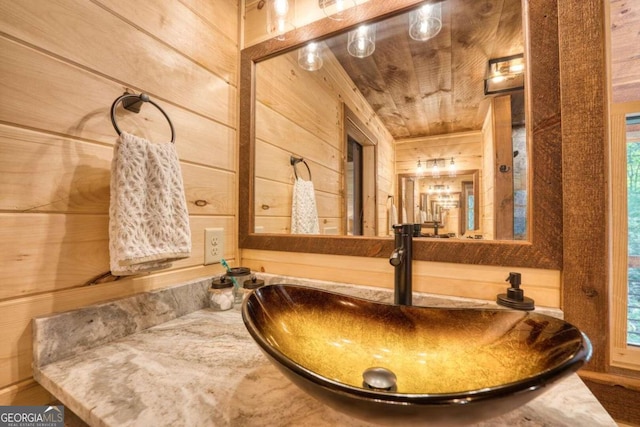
{"points": [[402, 365]]}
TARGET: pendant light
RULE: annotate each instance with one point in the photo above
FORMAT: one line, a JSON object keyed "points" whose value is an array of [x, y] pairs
{"points": [[425, 22], [280, 17], [361, 42], [309, 57], [335, 9]]}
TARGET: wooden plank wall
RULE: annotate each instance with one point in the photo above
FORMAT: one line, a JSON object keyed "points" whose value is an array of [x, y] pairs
{"points": [[299, 113], [470, 281], [487, 205], [63, 62], [625, 51]]}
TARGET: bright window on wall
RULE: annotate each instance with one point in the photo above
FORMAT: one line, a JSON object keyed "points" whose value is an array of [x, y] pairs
{"points": [[633, 224], [625, 197]]}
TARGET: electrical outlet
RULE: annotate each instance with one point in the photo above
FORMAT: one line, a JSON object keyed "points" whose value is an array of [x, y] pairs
{"points": [[213, 245]]}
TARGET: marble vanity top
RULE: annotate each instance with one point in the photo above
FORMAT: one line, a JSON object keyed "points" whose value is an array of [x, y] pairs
{"points": [[164, 359]]}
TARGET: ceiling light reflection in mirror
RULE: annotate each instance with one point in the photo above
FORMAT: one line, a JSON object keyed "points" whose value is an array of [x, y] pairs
{"points": [[417, 82]]}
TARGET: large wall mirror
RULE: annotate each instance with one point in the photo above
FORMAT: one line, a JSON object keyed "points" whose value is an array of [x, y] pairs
{"points": [[407, 125]]}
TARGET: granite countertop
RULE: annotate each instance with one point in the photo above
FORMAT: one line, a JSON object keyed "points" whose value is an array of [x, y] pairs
{"points": [[174, 362]]}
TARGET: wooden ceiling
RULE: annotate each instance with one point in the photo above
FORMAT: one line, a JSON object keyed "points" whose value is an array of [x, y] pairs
{"points": [[437, 86]]}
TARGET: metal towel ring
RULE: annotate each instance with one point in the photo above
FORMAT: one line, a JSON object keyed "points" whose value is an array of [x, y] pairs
{"points": [[133, 102], [294, 161]]}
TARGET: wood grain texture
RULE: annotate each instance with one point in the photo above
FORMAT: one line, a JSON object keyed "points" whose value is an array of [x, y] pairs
{"points": [[300, 113], [585, 173], [63, 63], [625, 51], [483, 282], [167, 20], [618, 401], [82, 33], [503, 184]]}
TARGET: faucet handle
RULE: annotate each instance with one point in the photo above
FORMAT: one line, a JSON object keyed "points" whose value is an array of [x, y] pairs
{"points": [[396, 257]]}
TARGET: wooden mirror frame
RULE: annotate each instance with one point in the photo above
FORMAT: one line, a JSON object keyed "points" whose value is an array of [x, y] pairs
{"points": [[544, 247]]}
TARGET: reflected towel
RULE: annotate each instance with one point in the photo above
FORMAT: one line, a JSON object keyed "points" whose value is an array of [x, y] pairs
{"points": [[393, 217], [148, 217], [304, 214]]}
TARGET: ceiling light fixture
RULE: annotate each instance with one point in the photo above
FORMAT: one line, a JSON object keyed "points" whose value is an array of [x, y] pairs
{"points": [[435, 170], [335, 9], [309, 57], [425, 22], [280, 17], [504, 74], [452, 168], [361, 42]]}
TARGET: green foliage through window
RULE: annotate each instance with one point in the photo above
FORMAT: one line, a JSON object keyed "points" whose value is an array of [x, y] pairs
{"points": [[633, 215]]}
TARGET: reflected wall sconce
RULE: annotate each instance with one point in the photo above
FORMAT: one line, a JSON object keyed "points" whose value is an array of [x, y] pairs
{"points": [[436, 167], [452, 168], [426, 22], [309, 57], [439, 189], [335, 9], [280, 14], [361, 42], [504, 74]]}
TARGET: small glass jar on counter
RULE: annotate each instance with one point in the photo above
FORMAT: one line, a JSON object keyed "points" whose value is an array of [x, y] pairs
{"points": [[249, 285], [238, 275], [221, 294]]}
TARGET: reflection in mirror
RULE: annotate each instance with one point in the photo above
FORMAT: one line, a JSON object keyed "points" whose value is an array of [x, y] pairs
{"points": [[447, 207], [270, 99], [361, 122]]}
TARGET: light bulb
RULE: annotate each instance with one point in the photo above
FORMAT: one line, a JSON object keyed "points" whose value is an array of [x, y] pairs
{"points": [[309, 57], [361, 42], [425, 22], [435, 170], [281, 7], [452, 168], [516, 68]]}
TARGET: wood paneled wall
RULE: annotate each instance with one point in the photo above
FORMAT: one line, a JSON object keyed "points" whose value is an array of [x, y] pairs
{"points": [[300, 113], [464, 147], [487, 181], [63, 62], [470, 281]]}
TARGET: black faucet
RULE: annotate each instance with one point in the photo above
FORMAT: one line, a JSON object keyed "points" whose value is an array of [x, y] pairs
{"points": [[401, 258]]}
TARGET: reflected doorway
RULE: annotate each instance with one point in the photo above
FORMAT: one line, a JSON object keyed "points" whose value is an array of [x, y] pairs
{"points": [[360, 172], [354, 187]]}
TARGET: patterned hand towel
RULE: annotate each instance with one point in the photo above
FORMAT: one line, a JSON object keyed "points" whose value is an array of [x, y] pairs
{"points": [[304, 215], [148, 217]]}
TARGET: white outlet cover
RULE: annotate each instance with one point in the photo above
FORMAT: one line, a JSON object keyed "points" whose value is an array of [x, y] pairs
{"points": [[213, 245]]}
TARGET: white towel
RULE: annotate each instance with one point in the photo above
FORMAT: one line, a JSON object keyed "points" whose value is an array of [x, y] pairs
{"points": [[148, 217], [304, 214]]}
